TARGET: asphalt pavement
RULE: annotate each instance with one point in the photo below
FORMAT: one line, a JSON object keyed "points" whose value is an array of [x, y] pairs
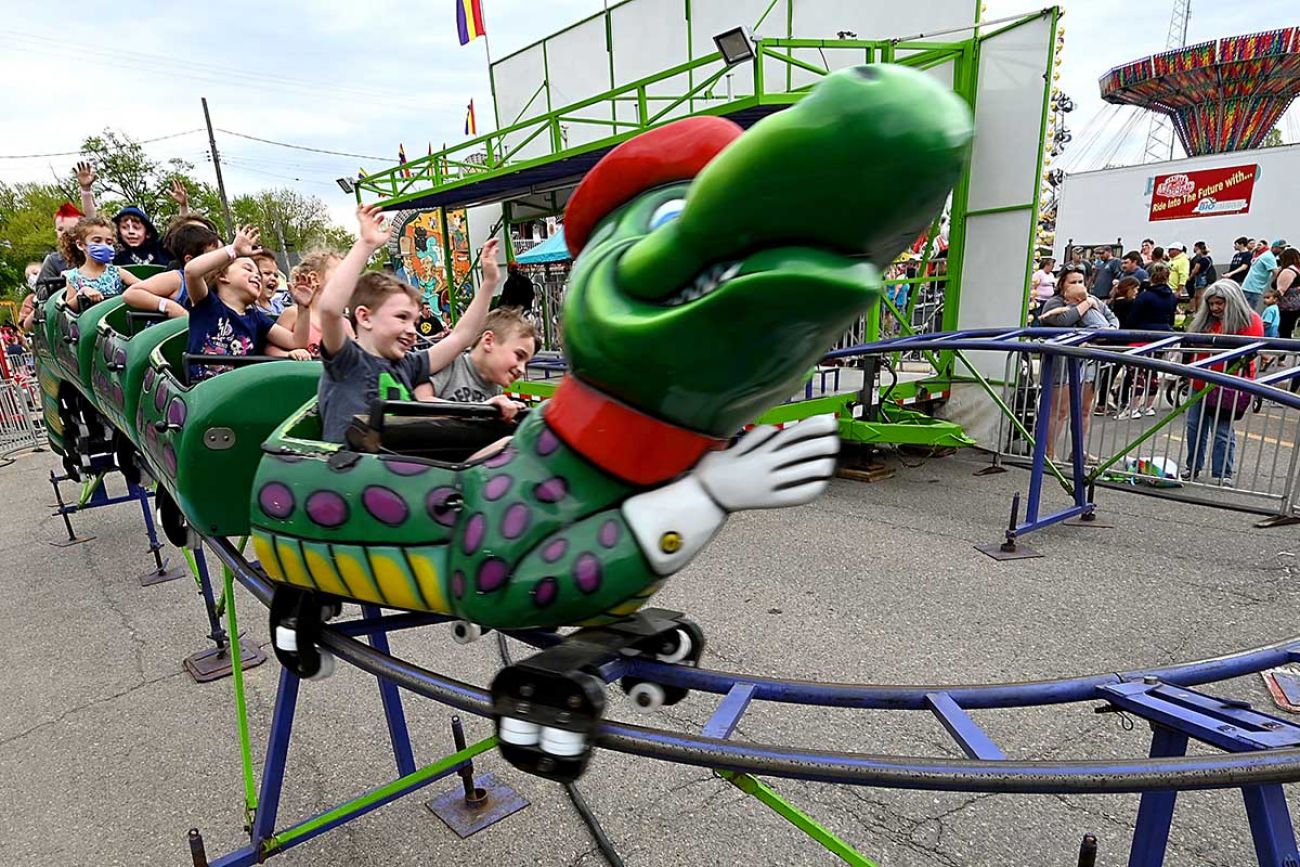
{"points": [[109, 753]]}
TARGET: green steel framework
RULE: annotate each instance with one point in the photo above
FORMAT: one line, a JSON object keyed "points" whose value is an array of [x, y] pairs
{"points": [[452, 169], [497, 154]]}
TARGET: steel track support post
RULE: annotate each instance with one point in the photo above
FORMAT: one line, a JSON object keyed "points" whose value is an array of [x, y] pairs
{"points": [[208, 665], [1074, 372], [277, 751], [160, 572], [62, 510], [1270, 826], [398, 734], [1042, 425], [1088, 851], [1156, 810], [198, 854]]}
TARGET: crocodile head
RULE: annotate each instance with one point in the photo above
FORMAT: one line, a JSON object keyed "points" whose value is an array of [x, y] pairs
{"points": [[715, 266]]}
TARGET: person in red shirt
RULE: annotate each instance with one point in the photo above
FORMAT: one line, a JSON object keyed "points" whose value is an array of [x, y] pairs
{"points": [[1224, 310]]}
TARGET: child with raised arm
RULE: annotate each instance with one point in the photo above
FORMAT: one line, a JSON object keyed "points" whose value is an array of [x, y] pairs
{"points": [[379, 363], [165, 293], [498, 357], [223, 287], [88, 248]]}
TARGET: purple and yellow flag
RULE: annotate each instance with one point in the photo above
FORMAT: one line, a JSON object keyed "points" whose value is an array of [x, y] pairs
{"points": [[469, 20], [471, 125]]}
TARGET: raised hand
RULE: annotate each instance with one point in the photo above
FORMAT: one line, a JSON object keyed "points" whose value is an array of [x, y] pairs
{"points": [[246, 240], [488, 258], [85, 175], [769, 468], [373, 229], [303, 293], [180, 195]]}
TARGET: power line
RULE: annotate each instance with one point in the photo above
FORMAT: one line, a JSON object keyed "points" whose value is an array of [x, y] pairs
{"points": [[303, 147], [78, 153]]}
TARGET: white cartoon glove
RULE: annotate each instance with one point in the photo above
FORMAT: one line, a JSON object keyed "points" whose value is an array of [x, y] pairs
{"points": [[766, 469], [770, 468]]}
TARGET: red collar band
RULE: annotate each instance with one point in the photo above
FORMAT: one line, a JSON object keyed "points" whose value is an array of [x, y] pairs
{"points": [[622, 441]]}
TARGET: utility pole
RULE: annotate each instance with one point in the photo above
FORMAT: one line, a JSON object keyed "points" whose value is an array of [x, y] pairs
{"points": [[216, 162]]}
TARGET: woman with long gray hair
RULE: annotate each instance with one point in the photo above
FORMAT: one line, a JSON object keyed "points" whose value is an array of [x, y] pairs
{"points": [[1224, 310]]}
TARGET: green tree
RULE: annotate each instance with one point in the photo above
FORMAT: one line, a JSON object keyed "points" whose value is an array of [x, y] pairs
{"points": [[26, 229], [1273, 138], [291, 222]]}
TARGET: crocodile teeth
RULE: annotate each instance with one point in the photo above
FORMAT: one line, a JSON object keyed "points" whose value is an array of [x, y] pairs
{"points": [[706, 282]]}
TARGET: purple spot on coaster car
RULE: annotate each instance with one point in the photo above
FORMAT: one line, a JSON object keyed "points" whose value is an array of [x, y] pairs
{"points": [[500, 459], [149, 377], [120, 358], [406, 468], [547, 442], [160, 397], [545, 592], [497, 486], [515, 521], [587, 573], [555, 550], [492, 574], [118, 396], [552, 490], [475, 530], [176, 412], [276, 500], [327, 509], [385, 504], [442, 506], [169, 459], [609, 533], [458, 584]]}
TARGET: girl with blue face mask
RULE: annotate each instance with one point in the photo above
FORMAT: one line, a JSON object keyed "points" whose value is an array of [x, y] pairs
{"points": [[89, 246]]}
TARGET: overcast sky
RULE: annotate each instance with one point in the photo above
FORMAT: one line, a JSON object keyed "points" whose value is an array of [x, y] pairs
{"points": [[362, 77]]}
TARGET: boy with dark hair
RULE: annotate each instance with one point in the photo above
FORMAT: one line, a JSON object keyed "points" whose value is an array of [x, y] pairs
{"points": [[379, 363]]}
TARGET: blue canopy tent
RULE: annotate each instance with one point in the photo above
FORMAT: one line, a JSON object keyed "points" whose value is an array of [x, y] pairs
{"points": [[553, 249]]}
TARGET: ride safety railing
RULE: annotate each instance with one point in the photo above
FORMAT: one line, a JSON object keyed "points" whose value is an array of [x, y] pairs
{"points": [[21, 424], [782, 71], [1163, 433]]}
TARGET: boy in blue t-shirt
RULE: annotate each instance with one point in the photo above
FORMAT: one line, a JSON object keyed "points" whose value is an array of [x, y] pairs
{"points": [[1272, 316], [224, 316]]}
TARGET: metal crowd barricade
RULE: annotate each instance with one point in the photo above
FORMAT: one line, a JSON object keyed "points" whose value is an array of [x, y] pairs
{"points": [[1149, 431]]}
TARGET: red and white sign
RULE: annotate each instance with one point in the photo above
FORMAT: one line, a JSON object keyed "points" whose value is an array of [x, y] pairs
{"points": [[1203, 193]]}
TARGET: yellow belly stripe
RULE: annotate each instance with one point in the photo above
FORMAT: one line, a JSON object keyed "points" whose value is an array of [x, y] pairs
{"points": [[357, 576], [322, 571], [398, 584], [291, 562], [262, 546], [426, 574]]}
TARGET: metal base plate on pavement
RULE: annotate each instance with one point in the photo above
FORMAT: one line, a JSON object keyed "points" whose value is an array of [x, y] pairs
{"points": [[1020, 552], [991, 470], [1284, 685], [1092, 523], [159, 575], [498, 801], [68, 543], [214, 664], [1278, 521]]}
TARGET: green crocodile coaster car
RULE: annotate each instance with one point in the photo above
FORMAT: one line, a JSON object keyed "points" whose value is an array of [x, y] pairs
{"points": [[202, 442], [713, 268], [123, 340]]}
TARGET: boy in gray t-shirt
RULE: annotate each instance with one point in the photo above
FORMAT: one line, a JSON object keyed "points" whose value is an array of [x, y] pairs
{"points": [[499, 357], [379, 363]]}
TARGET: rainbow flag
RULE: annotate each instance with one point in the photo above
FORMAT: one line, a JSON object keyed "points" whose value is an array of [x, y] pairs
{"points": [[469, 20], [471, 126]]}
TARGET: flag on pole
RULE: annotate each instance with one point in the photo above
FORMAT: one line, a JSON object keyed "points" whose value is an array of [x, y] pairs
{"points": [[471, 125], [469, 20], [401, 160]]}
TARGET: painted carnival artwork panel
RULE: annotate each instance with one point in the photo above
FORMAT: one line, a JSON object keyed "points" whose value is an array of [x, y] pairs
{"points": [[418, 246]]}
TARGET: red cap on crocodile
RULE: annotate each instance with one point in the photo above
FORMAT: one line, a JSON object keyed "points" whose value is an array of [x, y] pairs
{"points": [[671, 153]]}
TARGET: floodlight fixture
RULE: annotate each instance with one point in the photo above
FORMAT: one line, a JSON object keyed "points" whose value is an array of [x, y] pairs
{"points": [[344, 184], [735, 46]]}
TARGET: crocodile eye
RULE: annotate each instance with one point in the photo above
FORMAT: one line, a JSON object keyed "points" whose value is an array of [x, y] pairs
{"points": [[669, 210]]}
